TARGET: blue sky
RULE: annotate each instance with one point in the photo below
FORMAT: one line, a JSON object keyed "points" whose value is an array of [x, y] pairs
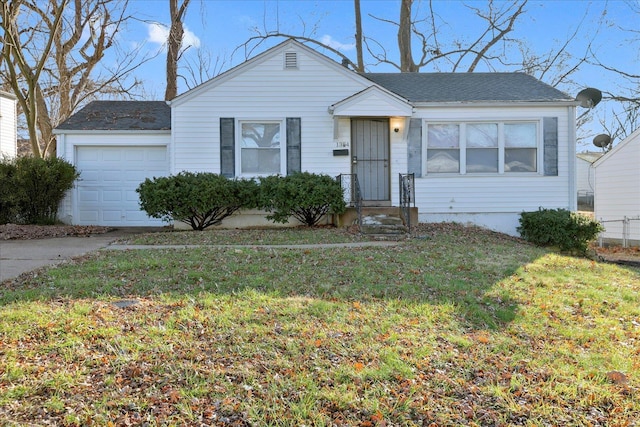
{"points": [[216, 28]]}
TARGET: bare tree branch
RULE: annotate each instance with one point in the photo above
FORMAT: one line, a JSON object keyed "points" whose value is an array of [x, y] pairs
{"points": [[52, 56]]}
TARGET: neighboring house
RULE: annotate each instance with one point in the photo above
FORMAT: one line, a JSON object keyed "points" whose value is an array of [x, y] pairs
{"points": [[585, 183], [617, 191], [8, 125], [483, 146]]}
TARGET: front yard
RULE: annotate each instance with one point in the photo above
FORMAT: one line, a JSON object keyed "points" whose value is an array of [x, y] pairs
{"points": [[457, 327]]}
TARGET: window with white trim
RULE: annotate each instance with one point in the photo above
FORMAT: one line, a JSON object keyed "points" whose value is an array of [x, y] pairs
{"points": [[482, 147], [260, 148]]}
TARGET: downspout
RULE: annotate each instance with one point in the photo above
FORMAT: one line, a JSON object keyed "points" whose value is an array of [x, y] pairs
{"points": [[170, 148], [573, 196]]}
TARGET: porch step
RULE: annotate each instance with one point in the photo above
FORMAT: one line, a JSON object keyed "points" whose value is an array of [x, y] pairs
{"points": [[382, 225]]}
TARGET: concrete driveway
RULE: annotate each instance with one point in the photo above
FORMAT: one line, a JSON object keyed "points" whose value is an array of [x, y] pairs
{"points": [[21, 256]]}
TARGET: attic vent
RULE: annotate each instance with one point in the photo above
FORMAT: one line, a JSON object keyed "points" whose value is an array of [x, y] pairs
{"points": [[290, 60]]}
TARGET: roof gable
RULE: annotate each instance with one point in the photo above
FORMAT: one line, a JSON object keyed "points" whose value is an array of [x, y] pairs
{"points": [[634, 138], [289, 45], [373, 101], [468, 87], [119, 115]]}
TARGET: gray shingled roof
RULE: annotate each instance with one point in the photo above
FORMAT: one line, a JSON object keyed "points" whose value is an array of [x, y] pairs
{"points": [[120, 115], [461, 87]]}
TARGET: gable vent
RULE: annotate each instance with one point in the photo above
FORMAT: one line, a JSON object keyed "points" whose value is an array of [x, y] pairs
{"points": [[290, 60]]}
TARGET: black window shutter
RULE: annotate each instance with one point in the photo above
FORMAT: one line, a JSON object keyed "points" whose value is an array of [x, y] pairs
{"points": [[294, 152], [414, 149], [550, 138], [227, 147]]}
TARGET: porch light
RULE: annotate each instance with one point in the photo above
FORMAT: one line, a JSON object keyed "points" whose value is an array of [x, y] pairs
{"points": [[397, 124]]}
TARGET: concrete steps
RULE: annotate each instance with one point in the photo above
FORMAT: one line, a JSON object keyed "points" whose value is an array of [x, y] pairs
{"points": [[383, 226]]}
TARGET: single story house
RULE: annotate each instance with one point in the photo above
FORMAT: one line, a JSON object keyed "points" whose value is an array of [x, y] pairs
{"points": [[483, 147], [617, 192], [8, 125], [585, 179]]}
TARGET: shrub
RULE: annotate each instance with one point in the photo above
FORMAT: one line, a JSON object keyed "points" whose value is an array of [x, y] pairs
{"points": [[305, 196], [40, 185], [8, 199], [569, 231], [198, 199]]}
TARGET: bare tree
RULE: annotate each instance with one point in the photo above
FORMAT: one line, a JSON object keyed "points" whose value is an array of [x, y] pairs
{"points": [[500, 21], [51, 56], [196, 70], [174, 45]]}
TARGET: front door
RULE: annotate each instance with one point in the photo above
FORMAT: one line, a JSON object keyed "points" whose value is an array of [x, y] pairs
{"points": [[370, 159]]}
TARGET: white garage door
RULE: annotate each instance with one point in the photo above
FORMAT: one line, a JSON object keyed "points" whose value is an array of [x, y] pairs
{"points": [[109, 176]]}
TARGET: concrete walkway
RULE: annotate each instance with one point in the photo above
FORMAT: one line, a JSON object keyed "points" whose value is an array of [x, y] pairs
{"points": [[304, 246], [21, 256]]}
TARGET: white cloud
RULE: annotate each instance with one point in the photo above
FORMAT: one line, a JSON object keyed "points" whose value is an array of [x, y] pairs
{"points": [[159, 33], [329, 41]]}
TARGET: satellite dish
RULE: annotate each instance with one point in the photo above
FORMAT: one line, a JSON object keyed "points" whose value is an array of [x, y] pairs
{"points": [[602, 141], [589, 97]]}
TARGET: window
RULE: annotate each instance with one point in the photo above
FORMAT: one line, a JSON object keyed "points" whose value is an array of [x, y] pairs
{"points": [[520, 147], [443, 148], [482, 147], [260, 149]]}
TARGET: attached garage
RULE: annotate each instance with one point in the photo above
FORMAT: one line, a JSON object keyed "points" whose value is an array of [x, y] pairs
{"points": [[112, 162], [106, 191]]}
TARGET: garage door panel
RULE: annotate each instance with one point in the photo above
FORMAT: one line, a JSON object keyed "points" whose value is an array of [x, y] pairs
{"points": [[132, 196], [134, 155], [89, 176], [157, 157], [90, 217], [136, 216], [109, 177], [114, 155], [111, 196]]}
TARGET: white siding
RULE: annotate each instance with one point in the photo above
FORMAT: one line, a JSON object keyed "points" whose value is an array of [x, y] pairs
{"points": [[134, 150], [268, 92], [496, 200], [617, 191], [8, 135]]}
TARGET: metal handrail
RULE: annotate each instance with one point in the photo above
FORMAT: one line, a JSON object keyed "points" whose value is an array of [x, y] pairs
{"points": [[353, 194], [407, 196]]}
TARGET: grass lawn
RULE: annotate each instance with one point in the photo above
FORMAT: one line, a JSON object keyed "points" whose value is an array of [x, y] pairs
{"points": [[458, 327]]}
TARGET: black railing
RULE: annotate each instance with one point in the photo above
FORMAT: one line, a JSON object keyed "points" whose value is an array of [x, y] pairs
{"points": [[407, 197], [352, 193]]}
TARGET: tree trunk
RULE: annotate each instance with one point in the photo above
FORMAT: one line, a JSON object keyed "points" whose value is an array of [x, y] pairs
{"points": [[407, 65], [174, 43], [359, 55]]}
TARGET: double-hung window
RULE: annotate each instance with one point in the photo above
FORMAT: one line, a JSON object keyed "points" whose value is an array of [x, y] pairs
{"points": [[520, 147], [261, 148], [443, 148], [482, 147]]}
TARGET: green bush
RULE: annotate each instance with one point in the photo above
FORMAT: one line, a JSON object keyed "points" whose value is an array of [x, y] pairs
{"points": [[33, 188], [570, 231], [303, 195], [196, 199], [8, 199]]}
